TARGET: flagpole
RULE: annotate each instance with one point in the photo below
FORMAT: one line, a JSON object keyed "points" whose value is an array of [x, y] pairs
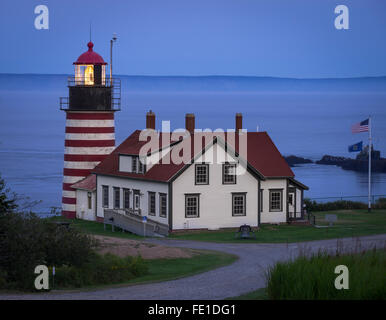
{"points": [[369, 207]]}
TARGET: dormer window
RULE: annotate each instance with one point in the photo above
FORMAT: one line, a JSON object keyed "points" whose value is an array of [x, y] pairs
{"points": [[134, 164], [137, 165], [141, 166]]}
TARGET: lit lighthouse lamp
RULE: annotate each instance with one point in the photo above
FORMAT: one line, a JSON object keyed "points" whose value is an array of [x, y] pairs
{"points": [[90, 130], [90, 68]]}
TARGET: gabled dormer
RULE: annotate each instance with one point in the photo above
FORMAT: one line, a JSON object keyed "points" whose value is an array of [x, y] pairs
{"points": [[132, 164]]}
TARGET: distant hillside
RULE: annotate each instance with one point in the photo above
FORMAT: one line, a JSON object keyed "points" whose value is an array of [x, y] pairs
{"points": [[253, 84], [208, 83]]}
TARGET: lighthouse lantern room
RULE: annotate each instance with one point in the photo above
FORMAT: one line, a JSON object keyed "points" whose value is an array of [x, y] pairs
{"points": [[90, 129]]}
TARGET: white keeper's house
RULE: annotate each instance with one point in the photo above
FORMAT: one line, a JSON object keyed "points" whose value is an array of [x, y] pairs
{"points": [[201, 194], [216, 186]]}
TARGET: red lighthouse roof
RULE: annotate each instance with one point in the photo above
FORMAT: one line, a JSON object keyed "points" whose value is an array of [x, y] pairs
{"points": [[90, 57]]}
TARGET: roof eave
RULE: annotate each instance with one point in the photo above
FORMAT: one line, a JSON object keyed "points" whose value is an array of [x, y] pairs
{"points": [[299, 184]]}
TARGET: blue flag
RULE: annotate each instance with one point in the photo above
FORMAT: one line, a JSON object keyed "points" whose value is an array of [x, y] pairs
{"points": [[355, 147]]}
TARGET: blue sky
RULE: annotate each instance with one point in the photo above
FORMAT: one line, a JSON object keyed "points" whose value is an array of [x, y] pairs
{"points": [[279, 38]]}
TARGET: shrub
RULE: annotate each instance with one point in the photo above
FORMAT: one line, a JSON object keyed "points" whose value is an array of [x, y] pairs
{"points": [[7, 198], [313, 277], [27, 241], [380, 204], [312, 205]]}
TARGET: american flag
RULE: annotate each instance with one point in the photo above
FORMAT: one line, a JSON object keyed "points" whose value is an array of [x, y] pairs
{"points": [[360, 126]]}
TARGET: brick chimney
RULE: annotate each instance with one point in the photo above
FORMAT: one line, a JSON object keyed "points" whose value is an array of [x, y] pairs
{"points": [[190, 122], [150, 120], [239, 122]]}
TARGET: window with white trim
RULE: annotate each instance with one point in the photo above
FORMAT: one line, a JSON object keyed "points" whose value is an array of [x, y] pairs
{"points": [[192, 205], [126, 198], [162, 205], [89, 200], [151, 203], [105, 196], [229, 173], [202, 173], [275, 200], [238, 204], [117, 197]]}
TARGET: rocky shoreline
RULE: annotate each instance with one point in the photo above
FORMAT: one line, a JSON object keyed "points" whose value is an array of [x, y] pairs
{"points": [[294, 160], [359, 164]]}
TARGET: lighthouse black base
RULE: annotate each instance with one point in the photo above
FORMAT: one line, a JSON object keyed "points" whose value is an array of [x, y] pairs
{"points": [[86, 98]]}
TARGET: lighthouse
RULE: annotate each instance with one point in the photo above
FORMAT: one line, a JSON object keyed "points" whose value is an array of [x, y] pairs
{"points": [[90, 106]]}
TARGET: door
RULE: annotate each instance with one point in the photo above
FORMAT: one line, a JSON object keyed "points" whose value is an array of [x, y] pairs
{"points": [[136, 202], [291, 205]]}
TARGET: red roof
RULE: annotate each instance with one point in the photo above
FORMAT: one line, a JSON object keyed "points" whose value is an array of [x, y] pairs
{"points": [[90, 57], [88, 183], [262, 154]]}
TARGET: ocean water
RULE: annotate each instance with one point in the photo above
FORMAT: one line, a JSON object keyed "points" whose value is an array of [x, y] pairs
{"points": [[307, 118]]}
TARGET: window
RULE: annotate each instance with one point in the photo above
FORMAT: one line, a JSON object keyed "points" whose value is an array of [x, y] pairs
{"points": [[162, 205], [134, 164], [141, 165], [202, 174], [238, 204], [152, 203], [105, 196], [275, 200], [290, 199], [229, 173], [192, 205], [261, 200], [126, 198], [117, 197], [89, 200]]}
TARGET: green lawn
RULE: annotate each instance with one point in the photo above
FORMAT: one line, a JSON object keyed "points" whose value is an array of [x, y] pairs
{"points": [[350, 223], [170, 269], [93, 227]]}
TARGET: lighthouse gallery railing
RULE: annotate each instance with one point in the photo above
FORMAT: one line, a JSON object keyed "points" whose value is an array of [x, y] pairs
{"points": [[114, 83]]}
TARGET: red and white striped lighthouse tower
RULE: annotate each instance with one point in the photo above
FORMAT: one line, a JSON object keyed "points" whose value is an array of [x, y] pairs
{"points": [[90, 131]]}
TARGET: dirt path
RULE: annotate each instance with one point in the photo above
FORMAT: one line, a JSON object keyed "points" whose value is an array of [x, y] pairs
{"points": [[245, 275], [126, 247]]}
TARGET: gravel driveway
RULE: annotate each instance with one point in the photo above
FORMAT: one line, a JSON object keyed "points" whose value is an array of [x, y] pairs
{"points": [[246, 274]]}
